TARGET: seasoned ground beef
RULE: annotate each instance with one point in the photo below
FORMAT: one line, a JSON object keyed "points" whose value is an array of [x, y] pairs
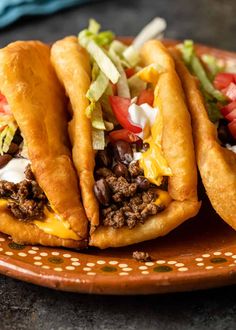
{"points": [[126, 197], [135, 169], [26, 200], [141, 256], [132, 211]]}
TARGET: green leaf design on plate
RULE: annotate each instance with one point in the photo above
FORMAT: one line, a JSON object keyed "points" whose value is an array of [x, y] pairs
{"points": [[162, 269], [15, 246], [108, 269], [56, 260], [218, 260]]}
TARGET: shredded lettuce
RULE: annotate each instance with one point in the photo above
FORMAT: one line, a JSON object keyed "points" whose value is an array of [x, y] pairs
{"points": [[213, 65], [98, 138], [136, 85], [94, 27], [152, 30], [118, 47], [131, 55], [197, 68], [103, 38], [97, 119], [103, 61], [106, 107], [7, 136], [98, 87], [122, 84]]}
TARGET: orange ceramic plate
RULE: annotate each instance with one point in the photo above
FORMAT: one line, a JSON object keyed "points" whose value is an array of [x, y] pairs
{"points": [[200, 254]]}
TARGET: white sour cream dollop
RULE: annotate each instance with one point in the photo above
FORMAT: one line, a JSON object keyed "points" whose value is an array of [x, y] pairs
{"points": [[143, 116], [232, 148], [14, 170]]}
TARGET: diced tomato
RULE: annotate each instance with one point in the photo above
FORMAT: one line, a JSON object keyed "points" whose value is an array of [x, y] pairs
{"points": [[231, 116], [232, 128], [228, 108], [129, 72], [120, 106], [123, 134], [230, 91], [146, 96], [222, 80]]}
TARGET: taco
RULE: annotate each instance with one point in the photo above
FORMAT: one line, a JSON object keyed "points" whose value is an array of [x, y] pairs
{"points": [[210, 89], [40, 201], [131, 136]]}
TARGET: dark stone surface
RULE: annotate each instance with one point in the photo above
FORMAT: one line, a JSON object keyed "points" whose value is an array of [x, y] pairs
{"points": [[25, 306]]}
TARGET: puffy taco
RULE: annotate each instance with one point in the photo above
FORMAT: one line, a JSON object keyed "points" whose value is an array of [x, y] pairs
{"points": [[40, 201], [131, 136], [210, 87]]}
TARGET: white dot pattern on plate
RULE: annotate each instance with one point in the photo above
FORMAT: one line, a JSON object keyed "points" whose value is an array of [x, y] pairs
{"points": [[123, 265], [53, 260], [113, 262], [66, 255], [74, 259], [101, 262], [32, 252], [182, 269], [90, 264], [127, 269], [228, 254], [160, 262], [58, 269], [209, 267], [44, 254], [22, 254], [179, 264]]}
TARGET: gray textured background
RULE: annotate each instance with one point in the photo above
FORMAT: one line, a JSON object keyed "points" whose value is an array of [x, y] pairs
{"points": [[25, 306]]}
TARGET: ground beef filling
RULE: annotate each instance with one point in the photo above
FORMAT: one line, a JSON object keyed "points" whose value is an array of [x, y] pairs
{"points": [[126, 197], [25, 200], [141, 256]]}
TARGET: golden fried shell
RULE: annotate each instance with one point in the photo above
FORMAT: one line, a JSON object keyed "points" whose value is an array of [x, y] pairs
{"points": [[217, 165], [72, 66], [36, 98]]}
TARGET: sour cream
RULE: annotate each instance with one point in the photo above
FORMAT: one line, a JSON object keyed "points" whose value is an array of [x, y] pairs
{"points": [[232, 148], [143, 116], [14, 170]]}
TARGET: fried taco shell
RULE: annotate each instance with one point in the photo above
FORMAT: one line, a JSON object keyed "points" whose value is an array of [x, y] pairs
{"points": [[68, 57], [217, 165], [72, 66], [36, 99]]}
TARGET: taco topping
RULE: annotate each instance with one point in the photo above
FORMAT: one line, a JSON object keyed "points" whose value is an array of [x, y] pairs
{"points": [[24, 198], [130, 164], [218, 87]]}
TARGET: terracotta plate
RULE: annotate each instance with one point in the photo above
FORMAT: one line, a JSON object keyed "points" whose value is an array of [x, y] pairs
{"points": [[201, 253]]}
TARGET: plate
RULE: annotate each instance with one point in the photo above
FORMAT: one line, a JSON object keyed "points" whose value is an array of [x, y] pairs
{"points": [[199, 254]]}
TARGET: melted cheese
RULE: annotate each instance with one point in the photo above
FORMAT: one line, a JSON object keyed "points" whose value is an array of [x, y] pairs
{"points": [[163, 198], [150, 73], [53, 224], [153, 161]]}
